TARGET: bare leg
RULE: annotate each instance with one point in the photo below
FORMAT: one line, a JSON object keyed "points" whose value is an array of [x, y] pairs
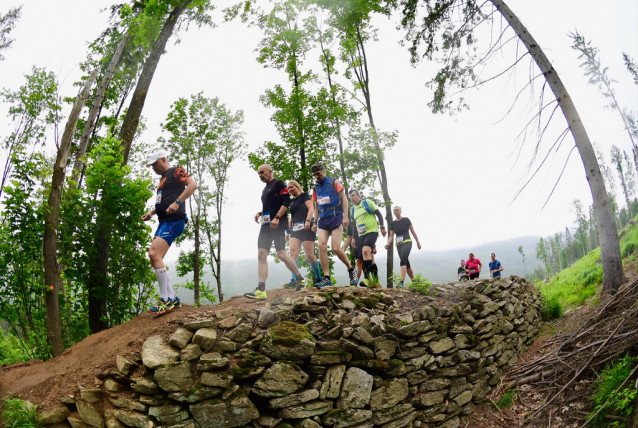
{"points": [[262, 265], [309, 248], [295, 246], [359, 268], [156, 253], [322, 238], [288, 261], [337, 234], [367, 253], [403, 272], [410, 273]]}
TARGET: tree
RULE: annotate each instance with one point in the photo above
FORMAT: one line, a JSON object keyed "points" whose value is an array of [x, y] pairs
{"points": [[623, 175], [457, 71], [542, 254], [522, 253], [581, 233], [7, 22]]}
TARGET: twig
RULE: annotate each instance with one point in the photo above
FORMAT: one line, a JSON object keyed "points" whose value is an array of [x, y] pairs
{"points": [[497, 408]]}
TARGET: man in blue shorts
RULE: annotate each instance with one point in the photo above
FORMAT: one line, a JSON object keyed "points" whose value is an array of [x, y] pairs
{"points": [[330, 202], [495, 267], [174, 188]]}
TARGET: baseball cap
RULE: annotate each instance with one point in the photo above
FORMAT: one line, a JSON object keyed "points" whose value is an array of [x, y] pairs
{"points": [[155, 156]]}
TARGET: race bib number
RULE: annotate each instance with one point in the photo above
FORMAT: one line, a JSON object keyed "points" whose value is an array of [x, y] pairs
{"points": [[297, 227], [399, 239], [265, 218], [361, 229], [323, 201], [159, 198], [472, 270]]}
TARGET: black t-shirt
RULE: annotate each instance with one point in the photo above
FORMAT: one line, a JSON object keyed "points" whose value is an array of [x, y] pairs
{"points": [[274, 195], [172, 184], [401, 230], [461, 271], [298, 208]]}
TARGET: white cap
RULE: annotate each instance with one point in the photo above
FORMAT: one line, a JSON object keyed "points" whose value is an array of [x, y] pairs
{"points": [[155, 156]]}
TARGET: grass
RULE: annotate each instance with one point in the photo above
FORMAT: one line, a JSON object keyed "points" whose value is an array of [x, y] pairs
{"points": [[17, 413], [573, 286], [507, 399]]}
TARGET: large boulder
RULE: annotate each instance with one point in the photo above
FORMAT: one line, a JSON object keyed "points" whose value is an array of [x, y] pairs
{"points": [[331, 386], [156, 352], [280, 380], [288, 341], [216, 413], [391, 393], [90, 414], [356, 389]]}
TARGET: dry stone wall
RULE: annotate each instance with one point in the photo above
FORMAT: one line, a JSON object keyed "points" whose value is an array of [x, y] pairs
{"points": [[342, 357]]}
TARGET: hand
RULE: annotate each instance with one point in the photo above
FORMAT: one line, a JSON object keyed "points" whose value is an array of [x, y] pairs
{"points": [[257, 217], [386, 246], [354, 244], [314, 227], [346, 222], [306, 226], [287, 236], [418, 245], [383, 232], [274, 223], [147, 216], [290, 225], [172, 208]]}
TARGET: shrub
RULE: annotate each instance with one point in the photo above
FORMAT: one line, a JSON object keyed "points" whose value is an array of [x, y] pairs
{"points": [[551, 309], [628, 249], [606, 398], [20, 414], [507, 399], [420, 284]]}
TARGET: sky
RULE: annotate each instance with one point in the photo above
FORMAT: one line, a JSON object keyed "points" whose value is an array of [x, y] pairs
{"points": [[454, 176]]}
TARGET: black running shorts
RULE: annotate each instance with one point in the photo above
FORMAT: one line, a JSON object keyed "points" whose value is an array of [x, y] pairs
{"points": [[370, 239], [268, 235]]}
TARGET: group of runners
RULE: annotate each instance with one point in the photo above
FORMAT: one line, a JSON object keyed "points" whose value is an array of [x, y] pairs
{"points": [[471, 269]]}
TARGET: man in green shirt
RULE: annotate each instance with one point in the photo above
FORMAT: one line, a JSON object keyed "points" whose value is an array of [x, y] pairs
{"points": [[365, 214]]}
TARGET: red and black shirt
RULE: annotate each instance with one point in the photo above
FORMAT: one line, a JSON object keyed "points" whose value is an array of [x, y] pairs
{"points": [[274, 195], [172, 184]]}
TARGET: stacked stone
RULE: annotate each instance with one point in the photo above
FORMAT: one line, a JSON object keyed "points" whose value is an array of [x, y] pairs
{"points": [[343, 357]]}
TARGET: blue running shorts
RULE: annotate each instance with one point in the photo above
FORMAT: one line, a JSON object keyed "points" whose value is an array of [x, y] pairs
{"points": [[170, 230], [330, 223]]}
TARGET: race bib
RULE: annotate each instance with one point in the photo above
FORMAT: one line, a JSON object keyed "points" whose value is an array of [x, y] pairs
{"points": [[361, 229], [297, 227], [265, 218], [472, 270], [399, 239], [323, 201], [159, 198]]}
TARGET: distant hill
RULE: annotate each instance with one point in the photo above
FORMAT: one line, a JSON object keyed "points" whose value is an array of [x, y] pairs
{"points": [[240, 276]]}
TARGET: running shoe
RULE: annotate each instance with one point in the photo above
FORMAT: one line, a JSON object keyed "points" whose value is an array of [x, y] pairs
{"points": [[353, 277], [300, 286], [257, 294], [326, 282], [401, 285], [173, 304], [159, 308], [291, 284]]}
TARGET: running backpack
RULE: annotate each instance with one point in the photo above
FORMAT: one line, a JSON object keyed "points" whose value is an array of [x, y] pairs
{"points": [[334, 197], [366, 206]]}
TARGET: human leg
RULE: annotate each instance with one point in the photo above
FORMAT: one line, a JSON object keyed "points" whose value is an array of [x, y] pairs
{"points": [[295, 246], [322, 243], [165, 234], [262, 266], [336, 236]]}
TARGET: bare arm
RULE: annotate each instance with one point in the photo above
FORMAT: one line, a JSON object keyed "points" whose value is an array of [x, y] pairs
{"points": [[390, 237], [191, 186], [416, 238], [344, 203]]}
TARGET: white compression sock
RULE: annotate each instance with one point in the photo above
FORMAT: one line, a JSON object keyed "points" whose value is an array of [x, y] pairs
{"points": [[169, 288], [163, 281]]}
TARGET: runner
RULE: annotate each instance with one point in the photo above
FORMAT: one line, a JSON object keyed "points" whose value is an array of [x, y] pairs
{"points": [[330, 202], [461, 273], [275, 201], [300, 222], [363, 215], [401, 227], [354, 241], [495, 267], [174, 188], [473, 266]]}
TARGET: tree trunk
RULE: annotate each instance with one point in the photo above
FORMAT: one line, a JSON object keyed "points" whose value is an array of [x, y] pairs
{"points": [[613, 275], [196, 262], [52, 277], [95, 108], [98, 268]]}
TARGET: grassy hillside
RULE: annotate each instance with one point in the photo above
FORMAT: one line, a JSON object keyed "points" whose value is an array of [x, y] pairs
{"points": [[574, 285]]}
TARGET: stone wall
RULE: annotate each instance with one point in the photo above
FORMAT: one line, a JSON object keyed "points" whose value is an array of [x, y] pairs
{"points": [[336, 358]]}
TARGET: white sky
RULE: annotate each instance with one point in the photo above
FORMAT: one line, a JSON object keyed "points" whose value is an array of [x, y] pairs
{"points": [[453, 176]]}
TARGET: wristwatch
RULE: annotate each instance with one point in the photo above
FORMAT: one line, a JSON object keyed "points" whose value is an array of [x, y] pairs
{"points": [[178, 201], [277, 217]]}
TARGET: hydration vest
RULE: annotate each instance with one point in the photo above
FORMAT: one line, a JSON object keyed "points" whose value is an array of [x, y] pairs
{"points": [[327, 189], [366, 207]]}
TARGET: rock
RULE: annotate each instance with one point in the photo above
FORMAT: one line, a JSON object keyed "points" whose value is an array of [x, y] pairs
{"points": [[132, 419], [190, 352], [225, 345], [393, 392], [76, 422], [384, 348], [267, 319], [401, 422], [241, 333], [507, 327], [91, 395], [319, 300], [480, 389], [429, 399], [225, 313], [288, 341], [229, 392], [110, 419], [174, 419], [457, 386], [362, 336], [195, 394], [227, 323], [332, 382], [347, 304], [440, 346], [113, 386], [356, 389], [175, 377], [216, 380], [306, 410], [144, 386], [127, 403], [307, 423], [155, 353], [216, 413], [293, 399], [346, 417], [360, 319], [280, 380], [417, 377], [158, 411], [327, 358], [455, 422], [384, 416], [186, 424], [55, 415], [463, 398], [211, 361], [196, 325], [434, 384], [407, 317], [414, 329], [267, 421], [90, 414], [205, 338], [123, 365], [180, 338]]}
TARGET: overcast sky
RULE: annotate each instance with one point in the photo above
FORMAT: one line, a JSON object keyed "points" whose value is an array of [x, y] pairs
{"points": [[454, 176]]}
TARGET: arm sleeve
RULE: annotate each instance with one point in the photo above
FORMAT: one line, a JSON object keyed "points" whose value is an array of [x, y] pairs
{"points": [[379, 216], [314, 196], [350, 230], [180, 175], [283, 193], [338, 186]]}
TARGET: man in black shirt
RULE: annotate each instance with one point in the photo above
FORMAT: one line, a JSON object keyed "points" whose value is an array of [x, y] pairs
{"points": [[174, 188], [273, 217]]}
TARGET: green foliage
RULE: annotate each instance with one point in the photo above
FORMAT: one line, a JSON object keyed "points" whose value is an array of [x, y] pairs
{"points": [[371, 281], [605, 397], [551, 309], [11, 350], [628, 249], [17, 413], [420, 284], [7, 23], [508, 398]]}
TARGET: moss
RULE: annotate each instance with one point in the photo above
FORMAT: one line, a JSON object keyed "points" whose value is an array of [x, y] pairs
{"points": [[441, 328], [373, 366], [396, 363], [472, 339], [327, 294], [334, 413], [338, 352], [370, 302], [251, 360], [457, 318], [288, 333], [194, 389], [404, 322], [239, 372]]}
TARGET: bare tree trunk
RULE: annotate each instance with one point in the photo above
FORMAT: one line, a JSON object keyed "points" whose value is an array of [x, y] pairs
{"points": [[613, 275], [98, 270], [52, 277], [196, 261], [95, 108]]}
